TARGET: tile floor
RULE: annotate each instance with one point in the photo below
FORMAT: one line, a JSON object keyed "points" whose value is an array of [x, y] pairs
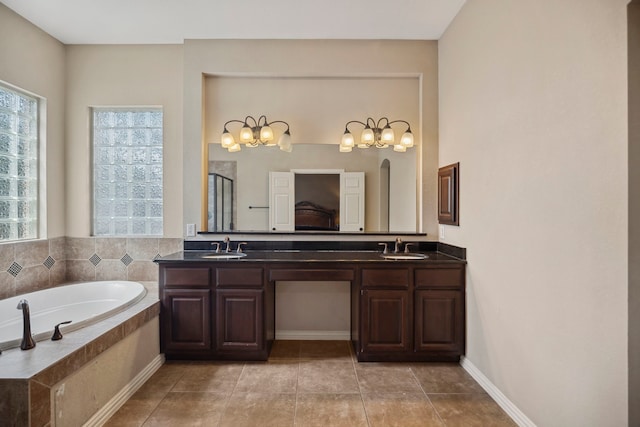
{"points": [[310, 383]]}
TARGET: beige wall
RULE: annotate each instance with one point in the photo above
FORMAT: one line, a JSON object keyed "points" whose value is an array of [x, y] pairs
{"points": [[34, 61], [304, 58], [126, 75], [633, 20], [533, 106]]}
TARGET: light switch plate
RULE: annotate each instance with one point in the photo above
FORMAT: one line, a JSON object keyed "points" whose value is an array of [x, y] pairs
{"points": [[191, 230], [442, 232]]}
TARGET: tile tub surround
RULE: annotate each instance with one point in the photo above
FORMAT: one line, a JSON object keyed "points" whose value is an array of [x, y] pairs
{"points": [[310, 383], [41, 264], [27, 377]]}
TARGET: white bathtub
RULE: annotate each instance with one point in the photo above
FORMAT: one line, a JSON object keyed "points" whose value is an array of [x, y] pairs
{"points": [[82, 303]]}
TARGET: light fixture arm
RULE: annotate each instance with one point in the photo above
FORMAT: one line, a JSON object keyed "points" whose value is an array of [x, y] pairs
{"points": [[400, 121]]}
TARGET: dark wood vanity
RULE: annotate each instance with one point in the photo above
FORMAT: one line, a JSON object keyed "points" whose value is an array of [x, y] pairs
{"points": [[400, 310]]}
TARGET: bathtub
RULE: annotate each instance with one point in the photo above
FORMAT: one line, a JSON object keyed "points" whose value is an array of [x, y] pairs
{"points": [[82, 303]]}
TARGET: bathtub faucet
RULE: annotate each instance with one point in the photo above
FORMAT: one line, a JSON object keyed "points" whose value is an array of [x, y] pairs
{"points": [[27, 339]]}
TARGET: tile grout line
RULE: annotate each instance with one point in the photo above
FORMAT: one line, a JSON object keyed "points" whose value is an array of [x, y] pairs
{"points": [[161, 400], [295, 406], [354, 362], [427, 396], [228, 398]]}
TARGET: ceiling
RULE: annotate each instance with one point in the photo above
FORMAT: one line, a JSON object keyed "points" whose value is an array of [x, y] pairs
{"points": [[173, 21]]}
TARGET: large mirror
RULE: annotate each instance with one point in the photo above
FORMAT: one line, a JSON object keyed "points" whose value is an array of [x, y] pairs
{"points": [[316, 108], [390, 183]]}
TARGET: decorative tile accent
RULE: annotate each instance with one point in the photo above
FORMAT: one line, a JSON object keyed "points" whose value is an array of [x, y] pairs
{"points": [[95, 259], [49, 262], [126, 259], [15, 269]]}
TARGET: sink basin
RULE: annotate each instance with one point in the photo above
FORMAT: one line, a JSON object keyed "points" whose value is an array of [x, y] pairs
{"points": [[224, 255], [404, 256]]}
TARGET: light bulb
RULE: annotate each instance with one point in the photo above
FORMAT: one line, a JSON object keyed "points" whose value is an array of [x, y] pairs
{"points": [[266, 133], [407, 139], [387, 136], [285, 142], [345, 149], [347, 140], [246, 134], [227, 140], [367, 136]]}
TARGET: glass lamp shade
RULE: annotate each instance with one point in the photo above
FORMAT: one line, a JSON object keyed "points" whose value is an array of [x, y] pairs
{"points": [[363, 145], [407, 139], [347, 140], [345, 149], [266, 133], [367, 136], [285, 142], [399, 148], [246, 134], [227, 140], [388, 135], [234, 148]]}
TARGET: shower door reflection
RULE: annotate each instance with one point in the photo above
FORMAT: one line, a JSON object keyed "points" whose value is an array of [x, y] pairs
{"points": [[220, 203]]}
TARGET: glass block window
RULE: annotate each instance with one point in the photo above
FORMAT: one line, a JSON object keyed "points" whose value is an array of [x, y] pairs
{"points": [[127, 171], [18, 165]]}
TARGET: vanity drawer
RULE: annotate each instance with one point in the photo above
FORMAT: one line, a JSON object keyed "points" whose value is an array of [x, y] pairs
{"points": [[385, 278], [190, 276], [439, 277], [239, 277]]}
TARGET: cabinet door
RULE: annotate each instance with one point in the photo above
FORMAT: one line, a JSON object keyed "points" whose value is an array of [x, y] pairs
{"points": [[239, 319], [186, 323], [281, 201], [352, 201], [449, 194], [385, 321], [439, 321]]}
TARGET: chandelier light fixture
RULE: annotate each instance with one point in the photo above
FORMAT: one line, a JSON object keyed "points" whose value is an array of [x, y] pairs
{"points": [[377, 134], [255, 133]]}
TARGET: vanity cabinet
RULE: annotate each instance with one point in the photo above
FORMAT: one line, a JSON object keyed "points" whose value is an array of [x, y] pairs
{"points": [[439, 310], [385, 311], [239, 313], [186, 306], [213, 311], [400, 311], [411, 314]]}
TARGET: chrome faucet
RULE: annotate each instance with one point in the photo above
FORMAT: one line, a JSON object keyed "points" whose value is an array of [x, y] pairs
{"points": [[228, 242], [397, 247], [27, 339]]}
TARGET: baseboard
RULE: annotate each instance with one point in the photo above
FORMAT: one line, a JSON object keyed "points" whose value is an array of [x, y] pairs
{"points": [[313, 335], [116, 402], [508, 406]]}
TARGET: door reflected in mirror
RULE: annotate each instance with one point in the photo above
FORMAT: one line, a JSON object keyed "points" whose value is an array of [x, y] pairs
{"points": [[390, 185]]}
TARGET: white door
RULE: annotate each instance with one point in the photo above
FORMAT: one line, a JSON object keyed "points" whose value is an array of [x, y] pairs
{"points": [[281, 201], [352, 201]]}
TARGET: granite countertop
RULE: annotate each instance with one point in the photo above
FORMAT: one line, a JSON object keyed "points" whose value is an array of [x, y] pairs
{"points": [[320, 256]]}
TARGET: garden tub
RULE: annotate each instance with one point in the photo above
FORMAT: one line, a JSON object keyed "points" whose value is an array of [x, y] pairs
{"points": [[81, 303]]}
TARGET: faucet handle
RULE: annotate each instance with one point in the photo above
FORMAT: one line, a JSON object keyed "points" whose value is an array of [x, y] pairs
{"points": [[239, 250], [56, 332], [386, 249], [406, 247]]}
